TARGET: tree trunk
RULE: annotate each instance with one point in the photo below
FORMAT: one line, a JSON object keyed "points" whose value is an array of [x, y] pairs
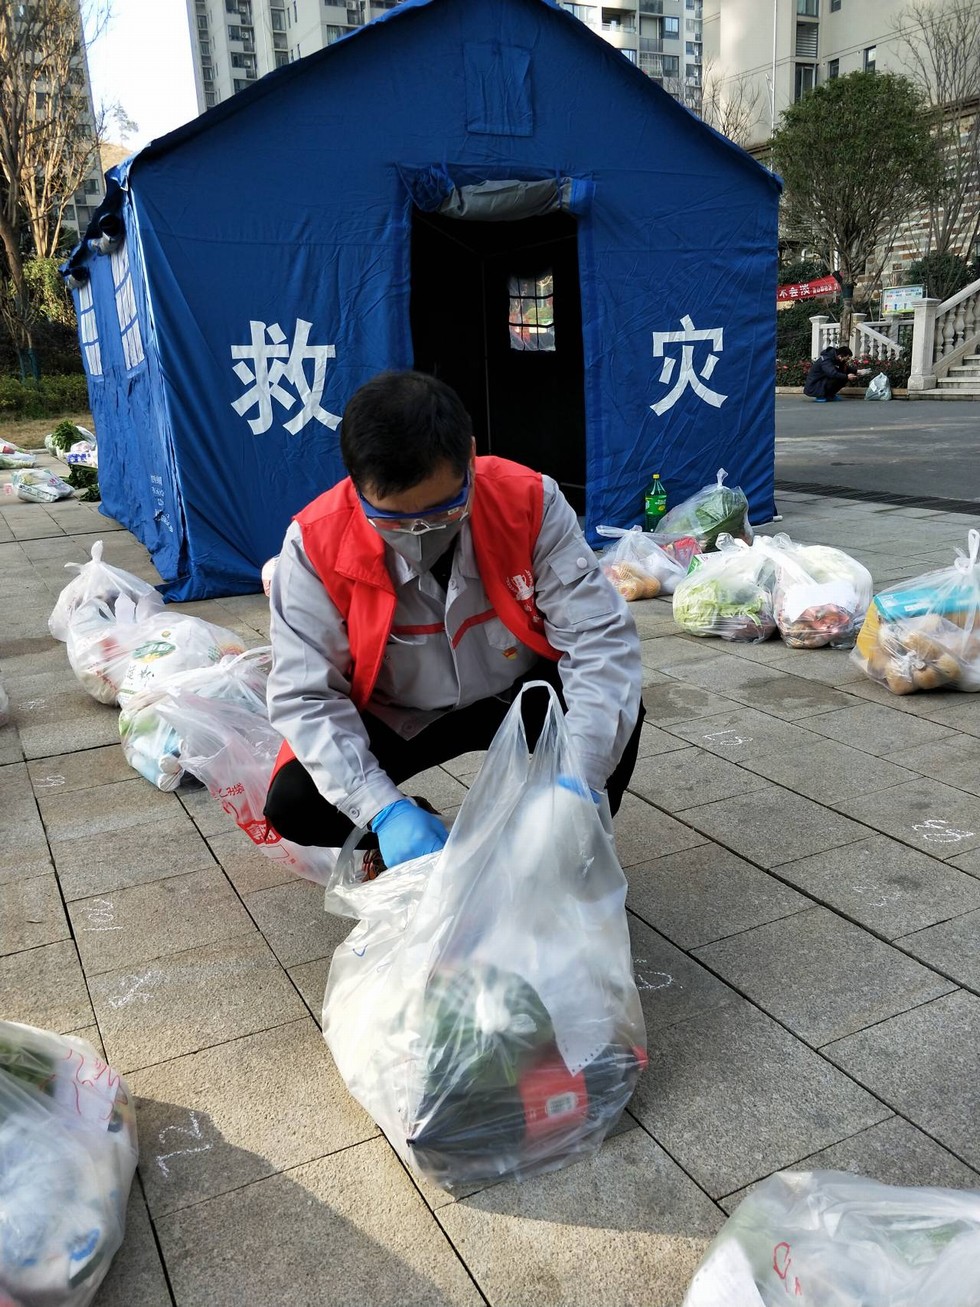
{"points": [[18, 312]]}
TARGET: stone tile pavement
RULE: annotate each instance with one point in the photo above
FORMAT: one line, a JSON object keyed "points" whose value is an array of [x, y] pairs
{"points": [[803, 853]]}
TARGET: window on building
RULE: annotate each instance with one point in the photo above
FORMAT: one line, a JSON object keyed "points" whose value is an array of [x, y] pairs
{"points": [[88, 330], [333, 33], [630, 55], [806, 40], [210, 99], [205, 47], [91, 186], [584, 13], [870, 58], [693, 25], [671, 65], [129, 326], [202, 23], [282, 58], [833, 69], [806, 80], [532, 312], [834, 6], [808, 8], [672, 28], [240, 84], [278, 20], [651, 6], [691, 49], [692, 72]]}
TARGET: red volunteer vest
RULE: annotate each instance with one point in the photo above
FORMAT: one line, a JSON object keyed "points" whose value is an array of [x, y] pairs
{"points": [[348, 557]]}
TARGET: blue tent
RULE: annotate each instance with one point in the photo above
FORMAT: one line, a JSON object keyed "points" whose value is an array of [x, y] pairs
{"points": [[487, 191]]}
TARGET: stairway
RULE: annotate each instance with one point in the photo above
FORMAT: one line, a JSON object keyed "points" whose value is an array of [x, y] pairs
{"points": [[962, 380]]}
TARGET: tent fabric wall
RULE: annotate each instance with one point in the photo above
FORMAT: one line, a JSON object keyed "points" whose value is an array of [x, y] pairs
{"points": [[270, 239]]}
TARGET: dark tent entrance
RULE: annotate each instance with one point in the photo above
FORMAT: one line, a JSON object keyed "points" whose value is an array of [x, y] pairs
{"points": [[496, 313]]}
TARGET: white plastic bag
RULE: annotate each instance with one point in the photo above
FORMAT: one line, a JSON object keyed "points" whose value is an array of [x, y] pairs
{"points": [[713, 511], [232, 750], [101, 636], [4, 707], [820, 595], [728, 593], [484, 1010], [879, 387], [641, 565], [832, 1239], [924, 634], [14, 458], [95, 580], [39, 485], [170, 643], [150, 744], [67, 1156]]}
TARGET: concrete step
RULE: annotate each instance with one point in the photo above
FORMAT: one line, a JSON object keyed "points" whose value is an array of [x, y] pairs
{"points": [[958, 387], [966, 369]]}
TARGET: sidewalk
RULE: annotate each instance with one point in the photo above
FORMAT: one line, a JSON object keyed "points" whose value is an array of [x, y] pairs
{"points": [[803, 852]]}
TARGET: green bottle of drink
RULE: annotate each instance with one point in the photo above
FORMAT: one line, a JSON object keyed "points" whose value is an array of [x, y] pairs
{"points": [[654, 503]]}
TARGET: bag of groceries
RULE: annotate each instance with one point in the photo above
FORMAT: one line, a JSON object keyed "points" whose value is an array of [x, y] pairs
{"points": [[729, 593], [833, 1239], [150, 744], [925, 633], [67, 1156], [715, 510], [879, 387], [12, 457], [39, 485], [484, 1010], [101, 636], [94, 580], [231, 748], [820, 594], [170, 643], [641, 565]]}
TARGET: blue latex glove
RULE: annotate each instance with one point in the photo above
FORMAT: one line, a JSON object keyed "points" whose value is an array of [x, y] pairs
{"points": [[406, 831], [579, 787]]}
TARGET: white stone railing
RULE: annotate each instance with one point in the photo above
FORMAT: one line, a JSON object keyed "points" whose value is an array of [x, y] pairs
{"points": [[865, 338], [942, 333]]}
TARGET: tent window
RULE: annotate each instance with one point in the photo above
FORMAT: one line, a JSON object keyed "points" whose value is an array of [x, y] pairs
{"points": [[89, 330], [532, 312], [129, 327]]}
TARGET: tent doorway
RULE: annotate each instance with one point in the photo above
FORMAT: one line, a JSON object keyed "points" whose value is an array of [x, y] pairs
{"points": [[496, 313]]}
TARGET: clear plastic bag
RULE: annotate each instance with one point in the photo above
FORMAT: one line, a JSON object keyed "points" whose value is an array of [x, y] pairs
{"points": [[879, 387], [833, 1239], [101, 637], [15, 458], [641, 566], [484, 1010], [67, 1155], [232, 750], [820, 596], [39, 485], [925, 633], [95, 580], [170, 643], [715, 510], [729, 593], [150, 744], [4, 707]]}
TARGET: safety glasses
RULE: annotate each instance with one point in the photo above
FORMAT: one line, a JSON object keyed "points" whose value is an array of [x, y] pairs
{"points": [[416, 524]]}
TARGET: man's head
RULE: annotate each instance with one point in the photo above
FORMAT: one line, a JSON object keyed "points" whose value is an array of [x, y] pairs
{"points": [[402, 429], [844, 353]]}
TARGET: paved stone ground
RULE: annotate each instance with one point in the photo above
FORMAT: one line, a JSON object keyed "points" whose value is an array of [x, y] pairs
{"points": [[803, 852]]}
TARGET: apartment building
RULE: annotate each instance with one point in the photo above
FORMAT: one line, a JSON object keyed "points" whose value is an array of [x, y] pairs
{"points": [[769, 53], [237, 41]]}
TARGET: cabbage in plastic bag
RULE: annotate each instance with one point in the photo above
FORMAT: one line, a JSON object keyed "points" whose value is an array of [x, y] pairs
{"points": [[715, 510]]}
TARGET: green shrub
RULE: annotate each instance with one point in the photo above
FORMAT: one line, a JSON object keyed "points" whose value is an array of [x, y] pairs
{"points": [[48, 397], [941, 274]]}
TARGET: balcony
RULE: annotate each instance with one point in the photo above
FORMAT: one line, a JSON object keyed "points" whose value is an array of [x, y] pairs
{"points": [[651, 45]]}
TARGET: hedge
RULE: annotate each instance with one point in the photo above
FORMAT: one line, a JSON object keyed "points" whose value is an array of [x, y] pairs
{"points": [[49, 397], [896, 370]]}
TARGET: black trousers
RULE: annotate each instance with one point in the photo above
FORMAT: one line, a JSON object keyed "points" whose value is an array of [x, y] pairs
{"points": [[827, 387], [297, 810]]}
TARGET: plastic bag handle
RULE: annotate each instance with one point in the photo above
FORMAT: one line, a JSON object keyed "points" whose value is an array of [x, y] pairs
{"points": [[616, 531], [966, 562]]}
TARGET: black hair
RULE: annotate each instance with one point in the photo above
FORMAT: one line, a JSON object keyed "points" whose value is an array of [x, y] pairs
{"points": [[399, 428], [843, 352]]}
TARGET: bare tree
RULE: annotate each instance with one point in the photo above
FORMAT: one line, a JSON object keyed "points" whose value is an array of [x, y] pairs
{"points": [[940, 47], [729, 104], [47, 138]]}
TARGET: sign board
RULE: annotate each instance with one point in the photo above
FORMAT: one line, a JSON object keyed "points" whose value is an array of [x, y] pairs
{"points": [[806, 290], [901, 299]]}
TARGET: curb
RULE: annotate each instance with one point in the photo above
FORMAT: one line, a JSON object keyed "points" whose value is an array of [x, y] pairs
{"points": [[849, 392]]}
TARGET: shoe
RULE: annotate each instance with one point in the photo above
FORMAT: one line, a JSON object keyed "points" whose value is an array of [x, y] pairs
{"points": [[821, 401]]}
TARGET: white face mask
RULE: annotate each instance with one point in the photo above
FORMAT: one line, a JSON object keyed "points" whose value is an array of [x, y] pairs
{"points": [[426, 548]]}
